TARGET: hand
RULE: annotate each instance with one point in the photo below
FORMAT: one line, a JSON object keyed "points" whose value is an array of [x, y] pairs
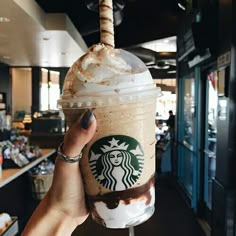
{"points": [[63, 208], [67, 191]]}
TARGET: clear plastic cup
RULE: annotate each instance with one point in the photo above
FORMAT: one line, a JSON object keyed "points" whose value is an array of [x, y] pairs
{"points": [[118, 164]]}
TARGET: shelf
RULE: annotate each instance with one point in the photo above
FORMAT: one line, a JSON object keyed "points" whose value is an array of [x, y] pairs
{"points": [[9, 175]]}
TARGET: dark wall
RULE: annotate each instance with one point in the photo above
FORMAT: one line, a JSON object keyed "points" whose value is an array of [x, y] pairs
{"points": [[226, 136], [224, 185], [5, 83], [36, 78], [225, 26], [232, 109]]}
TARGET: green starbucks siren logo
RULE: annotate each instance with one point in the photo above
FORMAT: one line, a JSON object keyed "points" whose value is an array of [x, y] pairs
{"points": [[116, 161]]}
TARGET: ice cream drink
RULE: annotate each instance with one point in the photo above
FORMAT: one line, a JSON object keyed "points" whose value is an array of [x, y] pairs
{"points": [[118, 164]]}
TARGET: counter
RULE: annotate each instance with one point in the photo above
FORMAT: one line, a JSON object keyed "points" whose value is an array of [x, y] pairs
{"points": [[16, 190], [10, 174]]}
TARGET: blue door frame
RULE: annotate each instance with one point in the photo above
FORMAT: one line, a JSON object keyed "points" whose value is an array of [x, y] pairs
{"points": [[210, 140], [188, 154]]}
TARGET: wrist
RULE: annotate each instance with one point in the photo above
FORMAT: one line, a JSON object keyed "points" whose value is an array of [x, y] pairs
{"points": [[65, 224], [47, 220], [64, 211]]}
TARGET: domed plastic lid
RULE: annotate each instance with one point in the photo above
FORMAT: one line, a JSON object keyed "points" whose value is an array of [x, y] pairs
{"points": [[106, 76]]}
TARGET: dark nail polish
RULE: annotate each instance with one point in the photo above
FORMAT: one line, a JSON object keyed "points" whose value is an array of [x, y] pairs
{"points": [[87, 119]]}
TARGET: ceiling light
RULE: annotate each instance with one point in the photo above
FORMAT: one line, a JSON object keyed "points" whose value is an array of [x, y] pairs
{"points": [[161, 45], [149, 63], [163, 67], [4, 19], [181, 6], [171, 72]]}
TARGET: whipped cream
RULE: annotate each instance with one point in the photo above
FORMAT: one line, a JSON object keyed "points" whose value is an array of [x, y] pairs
{"points": [[100, 65], [125, 215], [105, 71]]}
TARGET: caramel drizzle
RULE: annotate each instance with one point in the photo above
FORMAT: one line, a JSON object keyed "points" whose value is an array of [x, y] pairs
{"points": [[106, 32], [106, 6], [106, 22], [105, 18]]}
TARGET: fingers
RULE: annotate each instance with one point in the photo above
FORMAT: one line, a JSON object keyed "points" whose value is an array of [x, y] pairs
{"points": [[79, 134]]}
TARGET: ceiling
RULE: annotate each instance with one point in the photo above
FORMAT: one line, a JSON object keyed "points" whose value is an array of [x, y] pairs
{"points": [[31, 37], [139, 21], [54, 33]]}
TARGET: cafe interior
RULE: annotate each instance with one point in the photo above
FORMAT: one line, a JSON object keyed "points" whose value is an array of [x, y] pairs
{"points": [[189, 48]]}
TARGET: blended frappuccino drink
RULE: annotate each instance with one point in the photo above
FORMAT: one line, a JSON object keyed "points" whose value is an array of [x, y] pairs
{"points": [[118, 164]]}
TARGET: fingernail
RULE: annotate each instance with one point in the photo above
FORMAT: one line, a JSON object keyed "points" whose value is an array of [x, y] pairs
{"points": [[87, 119]]}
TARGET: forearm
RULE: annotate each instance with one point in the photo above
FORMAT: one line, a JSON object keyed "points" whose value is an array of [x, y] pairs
{"points": [[48, 221], [64, 207]]}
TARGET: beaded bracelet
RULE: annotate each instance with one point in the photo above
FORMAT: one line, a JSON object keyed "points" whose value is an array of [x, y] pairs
{"points": [[65, 158]]}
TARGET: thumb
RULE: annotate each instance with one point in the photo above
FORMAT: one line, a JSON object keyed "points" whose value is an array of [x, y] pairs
{"points": [[79, 134]]}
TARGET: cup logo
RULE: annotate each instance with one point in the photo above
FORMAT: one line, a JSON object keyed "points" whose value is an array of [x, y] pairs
{"points": [[116, 161]]}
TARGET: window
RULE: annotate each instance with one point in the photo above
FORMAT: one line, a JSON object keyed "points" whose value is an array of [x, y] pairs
{"points": [[189, 110], [49, 90]]}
